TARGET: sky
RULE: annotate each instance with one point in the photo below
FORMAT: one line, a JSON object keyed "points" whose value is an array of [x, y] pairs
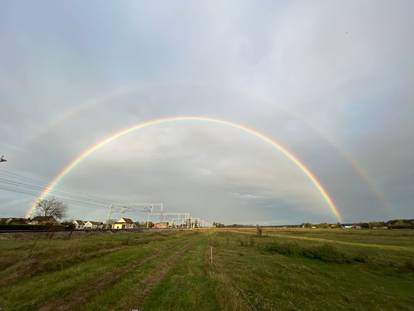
{"points": [[330, 81]]}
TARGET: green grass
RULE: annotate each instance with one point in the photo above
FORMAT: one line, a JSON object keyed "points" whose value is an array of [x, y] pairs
{"points": [[282, 270], [396, 238], [187, 286]]}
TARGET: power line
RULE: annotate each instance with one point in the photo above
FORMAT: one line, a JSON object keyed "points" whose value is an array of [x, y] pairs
{"points": [[37, 184], [12, 176], [30, 183], [37, 180], [35, 194], [36, 189], [18, 183]]}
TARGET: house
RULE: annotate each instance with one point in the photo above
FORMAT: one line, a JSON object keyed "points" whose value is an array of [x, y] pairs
{"points": [[92, 225], [161, 225], [123, 223], [79, 224], [43, 220]]}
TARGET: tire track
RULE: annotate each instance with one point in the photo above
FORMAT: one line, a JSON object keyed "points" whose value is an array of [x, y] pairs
{"points": [[33, 266], [152, 280], [81, 295], [230, 293]]}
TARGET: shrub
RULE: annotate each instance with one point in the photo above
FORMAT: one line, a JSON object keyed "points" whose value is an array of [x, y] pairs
{"points": [[23, 227], [282, 248], [326, 253], [408, 265]]}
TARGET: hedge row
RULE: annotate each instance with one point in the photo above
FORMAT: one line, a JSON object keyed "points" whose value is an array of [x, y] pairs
{"points": [[20, 227]]}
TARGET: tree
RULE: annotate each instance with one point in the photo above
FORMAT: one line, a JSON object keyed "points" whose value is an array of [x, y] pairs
{"points": [[258, 230], [51, 207]]}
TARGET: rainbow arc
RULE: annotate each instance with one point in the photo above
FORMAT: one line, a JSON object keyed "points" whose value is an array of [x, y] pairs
{"points": [[72, 165]]}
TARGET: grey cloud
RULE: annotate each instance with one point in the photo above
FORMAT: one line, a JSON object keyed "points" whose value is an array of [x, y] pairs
{"points": [[303, 74]]}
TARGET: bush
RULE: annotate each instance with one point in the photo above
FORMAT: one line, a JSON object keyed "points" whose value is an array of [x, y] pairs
{"points": [[35, 227], [325, 252], [282, 248], [68, 225], [23, 227], [408, 265]]}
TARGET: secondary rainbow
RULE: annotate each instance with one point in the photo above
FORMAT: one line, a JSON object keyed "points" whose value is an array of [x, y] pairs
{"points": [[68, 168]]}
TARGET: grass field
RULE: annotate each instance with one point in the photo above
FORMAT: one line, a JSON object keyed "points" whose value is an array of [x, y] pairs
{"points": [[282, 270]]}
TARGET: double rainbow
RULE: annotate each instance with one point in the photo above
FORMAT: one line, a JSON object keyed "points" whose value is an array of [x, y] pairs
{"points": [[68, 168]]}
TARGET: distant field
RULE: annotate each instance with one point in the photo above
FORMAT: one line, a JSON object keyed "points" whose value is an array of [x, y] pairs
{"points": [[282, 270]]}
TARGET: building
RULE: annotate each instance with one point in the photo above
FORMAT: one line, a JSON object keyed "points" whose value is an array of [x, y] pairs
{"points": [[79, 224], [161, 225], [43, 220], [123, 223], [92, 225]]}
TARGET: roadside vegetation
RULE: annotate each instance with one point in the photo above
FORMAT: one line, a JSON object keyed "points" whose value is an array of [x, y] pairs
{"points": [[174, 270]]}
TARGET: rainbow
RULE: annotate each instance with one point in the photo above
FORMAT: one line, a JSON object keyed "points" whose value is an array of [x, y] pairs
{"points": [[68, 168]]}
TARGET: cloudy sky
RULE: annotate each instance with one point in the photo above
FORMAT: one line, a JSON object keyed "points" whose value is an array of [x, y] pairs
{"points": [[331, 81]]}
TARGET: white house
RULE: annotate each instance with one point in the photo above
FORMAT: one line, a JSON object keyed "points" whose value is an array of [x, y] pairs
{"points": [[123, 223], [93, 225], [79, 224]]}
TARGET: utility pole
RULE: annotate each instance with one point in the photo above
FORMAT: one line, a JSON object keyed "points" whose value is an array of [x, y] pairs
{"points": [[148, 209], [109, 213], [122, 208]]}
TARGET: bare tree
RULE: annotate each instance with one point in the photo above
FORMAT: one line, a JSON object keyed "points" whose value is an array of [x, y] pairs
{"points": [[51, 207], [258, 230]]}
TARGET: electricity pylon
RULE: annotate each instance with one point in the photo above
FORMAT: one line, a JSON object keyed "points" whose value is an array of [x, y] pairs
{"points": [[148, 207]]}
